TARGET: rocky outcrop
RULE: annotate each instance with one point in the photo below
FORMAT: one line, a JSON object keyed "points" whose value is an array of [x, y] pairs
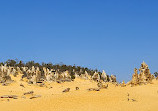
{"points": [[112, 78], [104, 76], [135, 79], [96, 76], [144, 76], [35, 75], [85, 76]]}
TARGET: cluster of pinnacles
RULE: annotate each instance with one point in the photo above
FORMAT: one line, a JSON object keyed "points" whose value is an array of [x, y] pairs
{"points": [[97, 77], [103, 77], [5, 73], [34, 75], [144, 76]]}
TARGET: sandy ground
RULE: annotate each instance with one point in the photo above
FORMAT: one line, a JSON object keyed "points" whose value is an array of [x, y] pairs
{"points": [[141, 98]]}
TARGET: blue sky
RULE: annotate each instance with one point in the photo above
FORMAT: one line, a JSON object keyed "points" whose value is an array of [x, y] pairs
{"points": [[114, 35]]}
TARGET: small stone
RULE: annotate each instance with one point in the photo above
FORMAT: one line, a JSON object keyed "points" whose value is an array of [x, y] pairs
{"points": [[77, 88], [21, 85], [66, 90], [36, 96], [59, 82], [4, 84], [50, 87], [9, 96], [30, 92], [133, 100], [94, 89]]}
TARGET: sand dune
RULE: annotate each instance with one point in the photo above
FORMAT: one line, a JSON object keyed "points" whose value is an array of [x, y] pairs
{"points": [[141, 98]]}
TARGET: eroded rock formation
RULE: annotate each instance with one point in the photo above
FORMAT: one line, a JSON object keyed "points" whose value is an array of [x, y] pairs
{"points": [[144, 76], [35, 75]]}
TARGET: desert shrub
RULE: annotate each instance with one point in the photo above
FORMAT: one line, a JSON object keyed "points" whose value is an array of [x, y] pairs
{"points": [[156, 74]]}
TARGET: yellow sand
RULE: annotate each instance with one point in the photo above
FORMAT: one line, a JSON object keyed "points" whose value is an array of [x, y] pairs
{"points": [[53, 99]]}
